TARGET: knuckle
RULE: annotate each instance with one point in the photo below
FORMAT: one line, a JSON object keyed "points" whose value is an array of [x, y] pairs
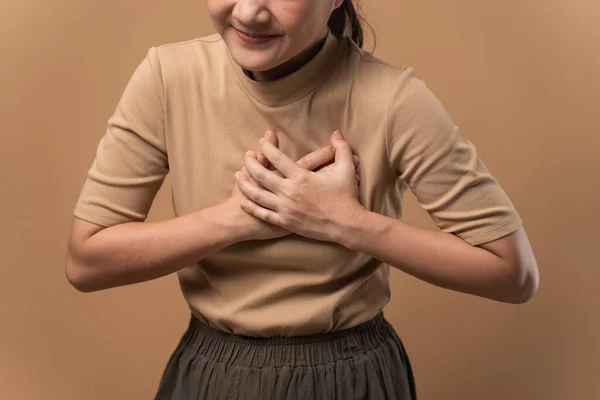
{"points": [[266, 217], [276, 158], [303, 178]]}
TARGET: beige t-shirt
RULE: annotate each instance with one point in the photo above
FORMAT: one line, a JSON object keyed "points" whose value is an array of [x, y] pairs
{"points": [[189, 110]]}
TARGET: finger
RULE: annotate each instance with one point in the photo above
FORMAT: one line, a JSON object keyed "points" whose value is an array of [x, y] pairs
{"points": [[264, 177], [343, 152], [259, 157], [330, 166], [256, 193], [327, 168], [321, 156], [280, 161], [270, 136], [260, 212], [316, 158], [249, 177], [273, 138]]}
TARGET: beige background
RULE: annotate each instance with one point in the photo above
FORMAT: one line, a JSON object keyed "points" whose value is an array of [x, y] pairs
{"points": [[521, 79]]}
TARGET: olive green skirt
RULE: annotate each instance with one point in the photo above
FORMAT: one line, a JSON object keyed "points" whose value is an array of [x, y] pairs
{"points": [[364, 362]]}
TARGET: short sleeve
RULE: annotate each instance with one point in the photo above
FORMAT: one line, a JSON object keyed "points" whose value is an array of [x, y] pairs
{"points": [[131, 159], [443, 169]]}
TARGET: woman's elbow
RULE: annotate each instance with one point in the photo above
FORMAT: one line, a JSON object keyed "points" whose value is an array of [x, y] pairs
{"points": [[525, 284], [78, 263], [518, 276], [78, 276]]}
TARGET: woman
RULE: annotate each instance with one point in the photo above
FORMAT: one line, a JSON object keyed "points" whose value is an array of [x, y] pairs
{"points": [[286, 274]]}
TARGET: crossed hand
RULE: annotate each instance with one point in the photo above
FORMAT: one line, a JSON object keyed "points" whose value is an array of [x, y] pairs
{"points": [[298, 196]]}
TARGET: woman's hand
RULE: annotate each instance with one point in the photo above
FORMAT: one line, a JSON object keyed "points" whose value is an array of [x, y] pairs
{"points": [[254, 228], [311, 204]]}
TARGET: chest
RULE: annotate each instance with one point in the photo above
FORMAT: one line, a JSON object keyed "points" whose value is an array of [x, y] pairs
{"points": [[207, 145]]}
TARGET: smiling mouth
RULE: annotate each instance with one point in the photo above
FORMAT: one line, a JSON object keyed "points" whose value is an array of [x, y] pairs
{"points": [[254, 38], [254, 35]]}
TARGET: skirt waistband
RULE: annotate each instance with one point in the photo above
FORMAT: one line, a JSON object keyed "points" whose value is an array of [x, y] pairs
{"points": [[308, 350]]}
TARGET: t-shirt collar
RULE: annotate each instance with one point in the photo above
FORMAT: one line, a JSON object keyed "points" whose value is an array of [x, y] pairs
{"points": [[298, 84]]}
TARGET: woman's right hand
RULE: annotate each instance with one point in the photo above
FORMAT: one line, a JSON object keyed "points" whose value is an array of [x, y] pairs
{"points": [[252, 228]]}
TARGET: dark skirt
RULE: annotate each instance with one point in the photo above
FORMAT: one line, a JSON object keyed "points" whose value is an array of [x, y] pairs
{"points": [[364, 362]]}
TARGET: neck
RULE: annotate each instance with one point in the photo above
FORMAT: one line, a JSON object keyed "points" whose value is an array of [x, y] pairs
{"points": [[289, 66]]}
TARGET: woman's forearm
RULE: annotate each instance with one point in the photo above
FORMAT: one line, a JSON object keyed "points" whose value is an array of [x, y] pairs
{"points": [[439, 258], [140, 251]]}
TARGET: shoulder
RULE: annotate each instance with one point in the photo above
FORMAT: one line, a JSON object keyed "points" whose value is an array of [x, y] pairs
{"points": [[369, 70], [190, 48], [410, 105], [185, 58], [383, 81]]}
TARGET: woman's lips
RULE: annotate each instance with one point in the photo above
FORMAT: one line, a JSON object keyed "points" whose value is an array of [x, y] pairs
{"points": [[253, 38]]}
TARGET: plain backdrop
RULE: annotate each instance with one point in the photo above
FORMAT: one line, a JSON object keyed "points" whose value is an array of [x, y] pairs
{"points": [[520, 79]]}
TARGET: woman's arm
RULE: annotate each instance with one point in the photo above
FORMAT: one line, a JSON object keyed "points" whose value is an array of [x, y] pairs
{"points": [[324, 206], [504, 269], [100, 258]]}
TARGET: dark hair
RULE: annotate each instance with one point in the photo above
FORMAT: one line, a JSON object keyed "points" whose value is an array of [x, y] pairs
{"points": [[347, 17]]}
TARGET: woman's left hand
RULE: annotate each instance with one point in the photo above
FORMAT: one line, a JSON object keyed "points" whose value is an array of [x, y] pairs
{"points": [[317, 205]]}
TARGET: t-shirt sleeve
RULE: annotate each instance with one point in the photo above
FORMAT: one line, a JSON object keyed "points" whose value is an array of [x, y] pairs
{"points": [[131, 158], [443, 169]]}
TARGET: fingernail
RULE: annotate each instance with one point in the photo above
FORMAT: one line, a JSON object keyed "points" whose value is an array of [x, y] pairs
{"points": [[338, 134], [268, 134], [261, 140], [237, 176], [245, 203]]}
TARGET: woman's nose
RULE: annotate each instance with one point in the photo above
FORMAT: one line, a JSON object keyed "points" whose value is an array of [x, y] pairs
{"points": [[251, 12]]}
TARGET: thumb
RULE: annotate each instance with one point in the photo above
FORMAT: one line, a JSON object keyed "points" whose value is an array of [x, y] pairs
{"points": [[343, 152]]}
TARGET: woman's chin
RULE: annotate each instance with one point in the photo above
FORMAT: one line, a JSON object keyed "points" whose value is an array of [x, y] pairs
{"points": [[255, 64]]}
